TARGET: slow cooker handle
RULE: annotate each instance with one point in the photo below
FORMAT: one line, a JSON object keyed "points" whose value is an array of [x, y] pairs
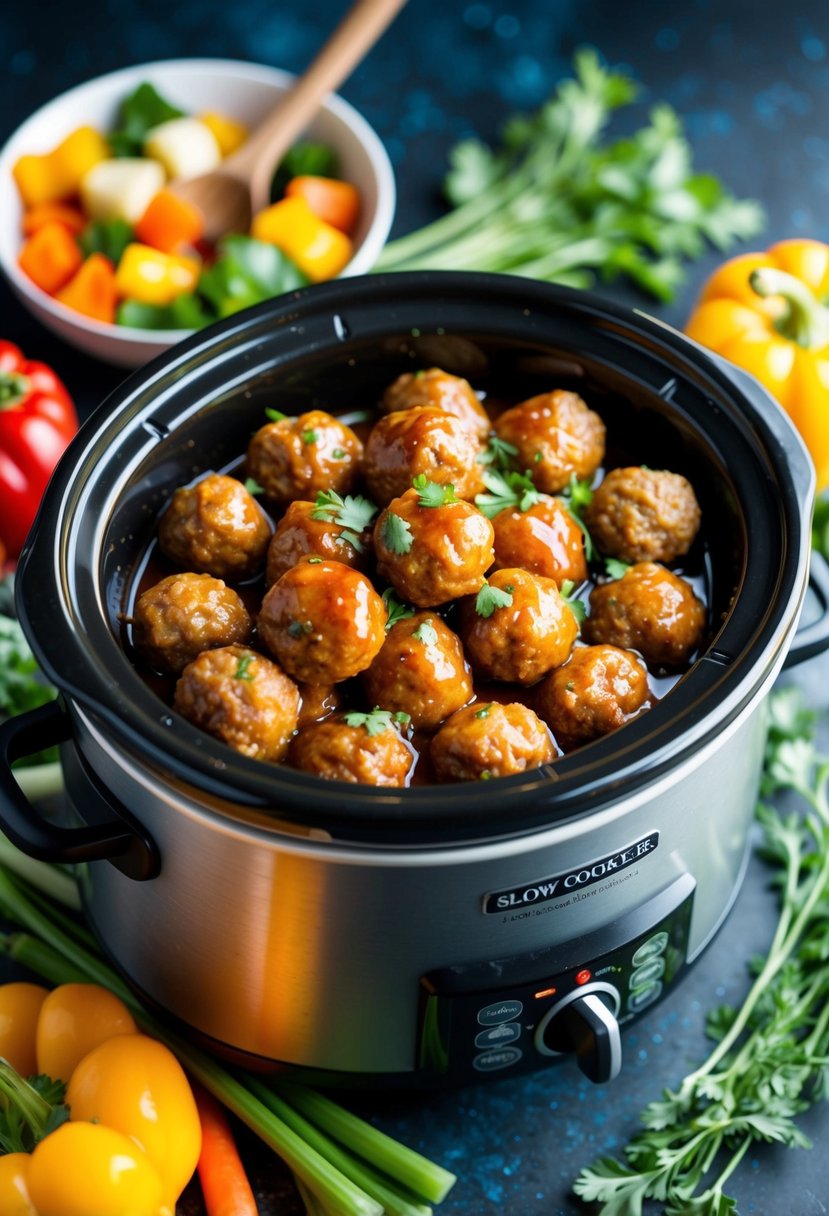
{"points": [[117, 838], [813, 638]]}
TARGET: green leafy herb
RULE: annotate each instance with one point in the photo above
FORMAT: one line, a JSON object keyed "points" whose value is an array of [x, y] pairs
{"points": [[29, 1109], [396, 534], [309, 436], [353, 514], [296, 629], [489, 598], [430, 494], [397, 610], [20, 687], [498, 452], [253, 487], [576, 496], [507, 491], [243, 666], [304, 159], [275, 415], [615, 568], [338, 454], [426, 633], [109, 237], [377, 720], [575, 605], [144, 109], [768, 1064], [560, 201], [314, 561], [483, 712]]}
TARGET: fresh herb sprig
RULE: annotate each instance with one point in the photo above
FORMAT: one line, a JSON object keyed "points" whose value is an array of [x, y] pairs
{"points": [[353, 514], [506, 491], [377, 720], [431, 493], [558, 201], [769, 1062], [490, 598], [396, 609]]}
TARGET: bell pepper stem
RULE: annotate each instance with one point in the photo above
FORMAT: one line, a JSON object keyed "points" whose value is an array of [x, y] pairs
{"points": [[14, 388], [805, 319]]}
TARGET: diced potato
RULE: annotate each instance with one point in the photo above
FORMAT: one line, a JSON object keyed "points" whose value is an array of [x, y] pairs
{"points": [[121, 188], [186, 147]]}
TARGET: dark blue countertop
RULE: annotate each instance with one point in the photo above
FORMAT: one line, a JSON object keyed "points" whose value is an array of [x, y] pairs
{"points": [[751, 82]]}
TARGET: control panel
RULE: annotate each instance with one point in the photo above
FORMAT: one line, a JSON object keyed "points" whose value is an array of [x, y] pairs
{"points": [[516, 1014]]}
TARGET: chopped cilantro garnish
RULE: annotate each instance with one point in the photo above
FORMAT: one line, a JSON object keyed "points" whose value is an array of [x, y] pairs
{"points": [[615, 568], [397, 610], [243, 666], [309, 436], [253, 487], [396, 534], [430, 494], [378, 720], [353, 513], [575, 605], [489, 598], [275, 415], [499, 453], [506, 491], [426, 633], [483, 712]]}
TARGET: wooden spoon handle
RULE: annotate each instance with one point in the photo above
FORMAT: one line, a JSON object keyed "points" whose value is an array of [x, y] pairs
{"points": [[351, 40]]}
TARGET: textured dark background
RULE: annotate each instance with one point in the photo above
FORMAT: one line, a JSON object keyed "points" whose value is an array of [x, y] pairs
{"points": [[751, 81]]}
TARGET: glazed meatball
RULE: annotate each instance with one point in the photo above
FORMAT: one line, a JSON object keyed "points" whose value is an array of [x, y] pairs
{"points": [[184, 614], [422, 440], [343, 749], [557, 435], [643, 515], [524, 637], [442, 391], [597, 690], [544, 539], [323, 621], [649, 609], [318, 701], [490, 740], [215, 527], [242, 698], [432, 554], [298, 457], [298, 534], [420, 671]]}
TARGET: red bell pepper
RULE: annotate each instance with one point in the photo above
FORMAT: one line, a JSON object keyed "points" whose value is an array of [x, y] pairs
{"points": [[37, 421]]}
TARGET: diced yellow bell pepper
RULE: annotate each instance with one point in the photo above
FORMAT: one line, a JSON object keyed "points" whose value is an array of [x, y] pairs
{"points": [[57, 174], [152, 277], [318, 249], [228, 133]]}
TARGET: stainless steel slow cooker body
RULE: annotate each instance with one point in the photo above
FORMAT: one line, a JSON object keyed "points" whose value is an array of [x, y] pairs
{"points": [[437, 934]]}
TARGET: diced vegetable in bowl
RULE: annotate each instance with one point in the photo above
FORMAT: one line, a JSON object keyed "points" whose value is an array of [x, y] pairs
{"points": [[107, 256]]}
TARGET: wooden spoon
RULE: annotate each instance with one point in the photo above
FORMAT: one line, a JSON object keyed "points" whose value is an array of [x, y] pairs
{"points": [[240, 187]]}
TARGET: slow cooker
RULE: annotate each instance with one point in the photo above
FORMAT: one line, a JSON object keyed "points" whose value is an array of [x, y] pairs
{"points": [[429, 935]]}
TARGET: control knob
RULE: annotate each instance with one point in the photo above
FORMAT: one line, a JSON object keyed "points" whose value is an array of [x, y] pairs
{"points": [[584, 1023]]}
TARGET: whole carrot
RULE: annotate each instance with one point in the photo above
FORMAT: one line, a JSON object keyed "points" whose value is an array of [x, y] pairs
{"points": [[224, 1183]]}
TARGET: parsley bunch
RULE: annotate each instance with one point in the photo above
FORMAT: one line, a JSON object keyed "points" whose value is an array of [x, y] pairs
{"points": [[770, 1059], [558, 202]]}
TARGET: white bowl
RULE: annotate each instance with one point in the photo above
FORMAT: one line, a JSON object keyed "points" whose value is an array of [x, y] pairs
{"points": [[245, 91]]}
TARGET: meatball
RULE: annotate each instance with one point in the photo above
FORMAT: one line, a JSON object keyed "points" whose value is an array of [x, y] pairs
{"points": [[298, 457], [544, 539], [643, 515], [442, 391], [323, 621], [422, 440], [649, 609], [242, 698], [420, 671], [557, 435], [318, 701], [215, 527], [298, 534], [184, 614], [597, 690], [432, 554], [490, 740], [344, 748], [519, 640]]}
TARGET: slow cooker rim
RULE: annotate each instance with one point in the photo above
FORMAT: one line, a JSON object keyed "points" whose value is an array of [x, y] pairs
{"points": [[209, 765]]}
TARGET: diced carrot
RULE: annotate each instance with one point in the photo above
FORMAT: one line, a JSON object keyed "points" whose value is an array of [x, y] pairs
{"points": [[62, 213], [169, 222], [50, 256], [336, 202], [92, 290]]}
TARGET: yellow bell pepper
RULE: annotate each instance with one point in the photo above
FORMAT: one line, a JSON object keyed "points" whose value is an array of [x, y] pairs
{"points": [[228, 133], [769, 314], [317, 248], [153, 277], [14, 1188], [57, 174], [89, 1169]]}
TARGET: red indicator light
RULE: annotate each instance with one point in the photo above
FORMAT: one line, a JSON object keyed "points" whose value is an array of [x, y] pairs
{"points": [[544, 992], [583, 976]]}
